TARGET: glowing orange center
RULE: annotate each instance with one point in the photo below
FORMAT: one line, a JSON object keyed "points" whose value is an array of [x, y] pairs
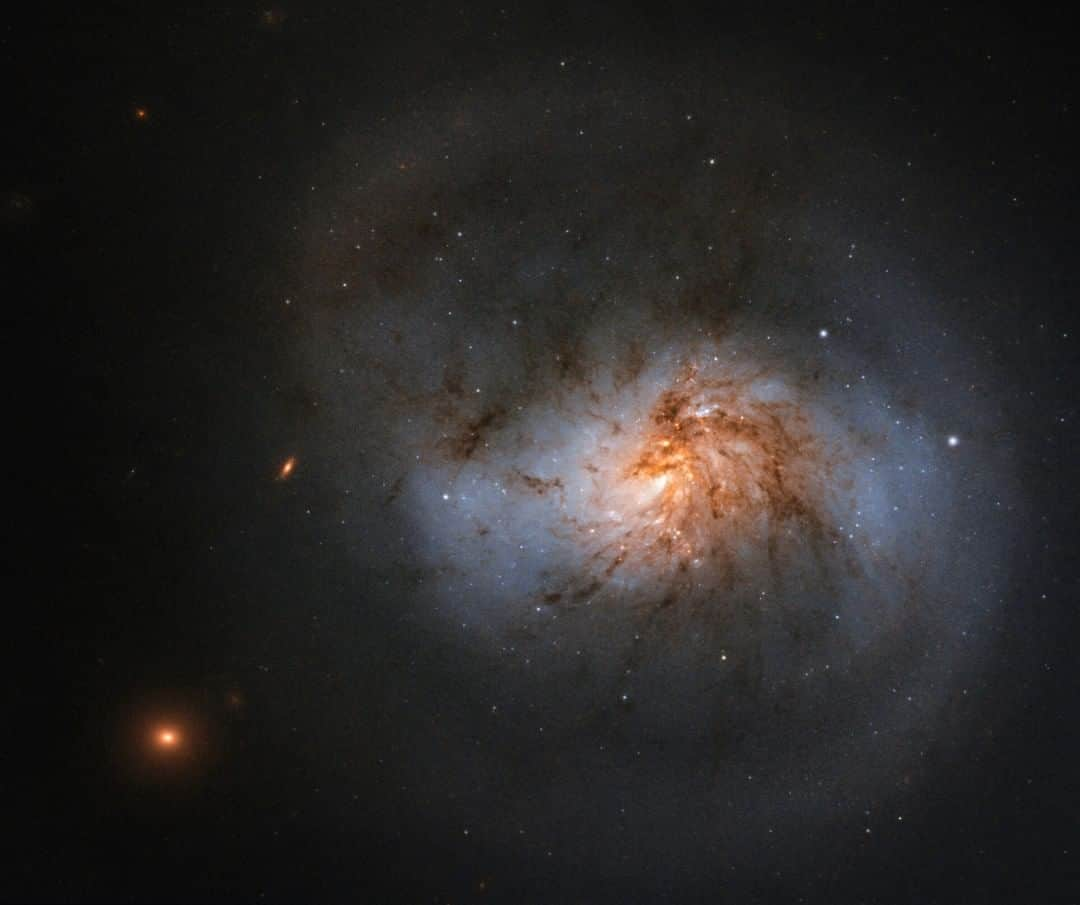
{"points": [[168, 738]]}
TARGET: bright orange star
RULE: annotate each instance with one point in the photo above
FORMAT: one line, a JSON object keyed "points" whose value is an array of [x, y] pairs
{"points": [[167, 738], [287, 468]]}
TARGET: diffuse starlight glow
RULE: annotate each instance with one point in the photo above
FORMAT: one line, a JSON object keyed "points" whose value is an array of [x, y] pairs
{"points": [[595, 439], [167, 739], [675, 496]]}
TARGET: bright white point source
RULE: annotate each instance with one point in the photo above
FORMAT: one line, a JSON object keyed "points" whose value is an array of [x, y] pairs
{"points": [[823, 333], [712, 161], [954, 440], [446, 496]]}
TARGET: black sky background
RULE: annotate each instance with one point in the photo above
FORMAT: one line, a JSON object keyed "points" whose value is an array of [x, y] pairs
{"points": [[142, 258]]}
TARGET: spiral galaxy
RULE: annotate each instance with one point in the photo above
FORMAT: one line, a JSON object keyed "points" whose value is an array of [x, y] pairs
{"points": [[651, 407], [559, 453]]}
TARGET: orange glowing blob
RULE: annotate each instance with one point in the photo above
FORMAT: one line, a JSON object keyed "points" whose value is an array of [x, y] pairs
{"points": [[167, 738], [287, 468], [141, 113]]}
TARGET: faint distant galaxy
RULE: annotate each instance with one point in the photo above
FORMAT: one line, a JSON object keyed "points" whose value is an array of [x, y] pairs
{"points": [[639, 386]]}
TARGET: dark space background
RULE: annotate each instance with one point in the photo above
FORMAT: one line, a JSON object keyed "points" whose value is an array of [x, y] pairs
{"points": [[157, 567]]}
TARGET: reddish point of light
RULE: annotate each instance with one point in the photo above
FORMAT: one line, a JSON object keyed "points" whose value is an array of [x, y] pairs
{"points": [[287, 468], [141, 113], [167, 738]]}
